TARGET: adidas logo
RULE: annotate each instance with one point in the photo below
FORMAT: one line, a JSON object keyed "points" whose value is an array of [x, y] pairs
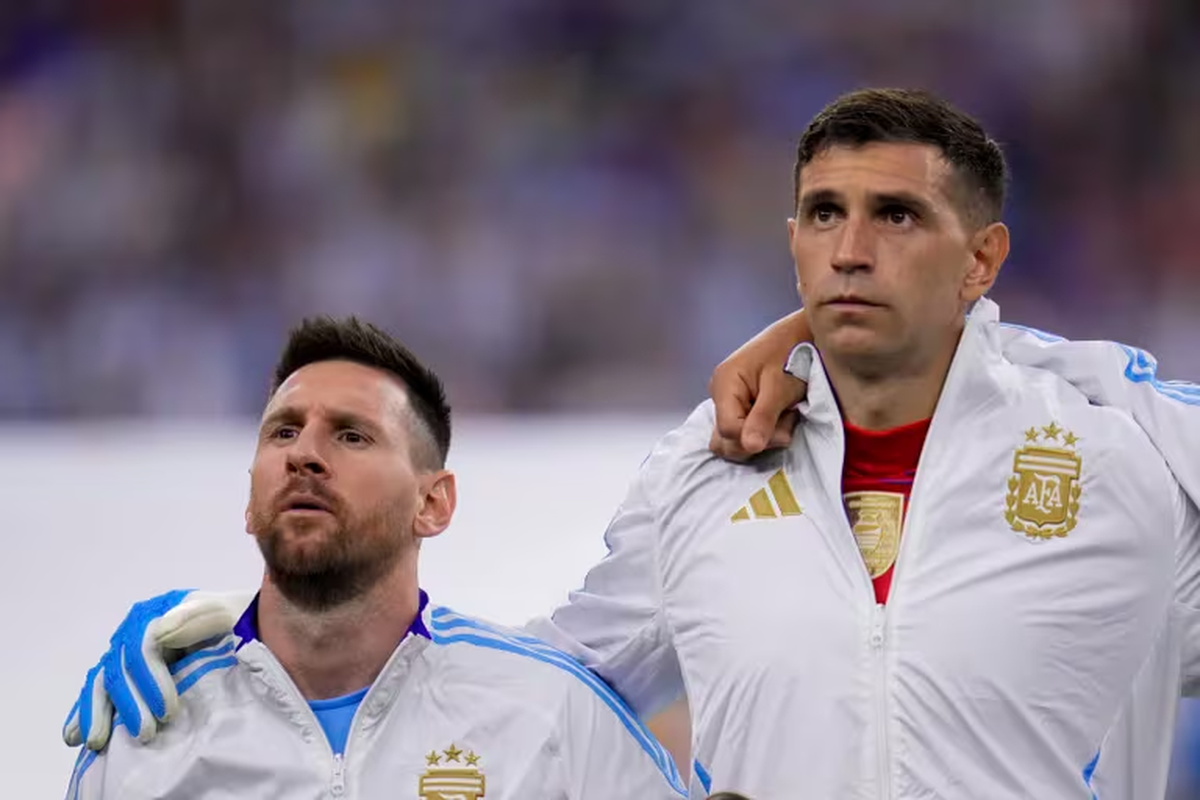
{"points": [[776, 499]]}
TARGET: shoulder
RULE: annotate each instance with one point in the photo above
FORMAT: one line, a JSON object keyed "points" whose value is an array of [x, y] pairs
{"points": [[526, 671], [682, 457], [528, 668], [492, 651], [206, 685], [688, 440], [1112, 449]]}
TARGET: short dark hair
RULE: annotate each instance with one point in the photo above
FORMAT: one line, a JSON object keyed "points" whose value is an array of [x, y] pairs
{"points": [[324, 338], [914, 116]]}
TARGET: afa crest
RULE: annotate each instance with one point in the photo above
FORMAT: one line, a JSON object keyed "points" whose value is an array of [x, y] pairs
{"points": [[1045, 489], [452, 775]]}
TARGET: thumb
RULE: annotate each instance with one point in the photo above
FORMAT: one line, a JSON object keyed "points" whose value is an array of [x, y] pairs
{"points": [[731, 400], [778, 394], [199, 617]]}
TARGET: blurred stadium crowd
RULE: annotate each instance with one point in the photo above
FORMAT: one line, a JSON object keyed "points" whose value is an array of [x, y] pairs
{"points": [[560, 205]]}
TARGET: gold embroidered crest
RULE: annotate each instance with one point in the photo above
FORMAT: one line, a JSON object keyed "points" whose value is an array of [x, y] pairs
{"points": [[876, 519], [452, 775], [1044, 489]]}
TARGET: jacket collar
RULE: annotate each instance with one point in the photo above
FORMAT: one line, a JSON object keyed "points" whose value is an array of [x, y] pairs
{"points": [[972, 384]]}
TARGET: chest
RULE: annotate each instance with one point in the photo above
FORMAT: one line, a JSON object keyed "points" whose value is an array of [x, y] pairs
{"points": [[1051, 562], [431, 742]]}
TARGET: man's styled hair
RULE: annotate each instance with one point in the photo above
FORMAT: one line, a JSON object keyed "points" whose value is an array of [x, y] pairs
{"points": [[912, 116], [327, 339]]}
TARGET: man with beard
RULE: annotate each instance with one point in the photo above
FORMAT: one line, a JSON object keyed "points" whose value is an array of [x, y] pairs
{"points": [[340, 677]]}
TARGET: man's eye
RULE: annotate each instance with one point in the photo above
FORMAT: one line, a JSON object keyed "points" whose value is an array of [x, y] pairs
{"points": [[899, 216], [283, 433], [353, 437]]}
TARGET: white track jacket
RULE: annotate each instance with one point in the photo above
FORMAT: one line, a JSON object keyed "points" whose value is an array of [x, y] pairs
{"points": [[463, 710], [1044, 611]]}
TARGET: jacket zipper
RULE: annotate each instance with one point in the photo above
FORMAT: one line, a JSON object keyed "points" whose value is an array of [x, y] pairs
{"points": [[878, 642], [337, 778], [338, 784], [881, 620]]}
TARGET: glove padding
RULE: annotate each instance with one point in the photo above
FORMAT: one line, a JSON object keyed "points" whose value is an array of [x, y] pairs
{"points": [[133, 677]]}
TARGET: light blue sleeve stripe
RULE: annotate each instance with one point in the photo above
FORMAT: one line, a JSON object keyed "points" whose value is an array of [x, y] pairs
{"points": [[204, 669], [181, 664], [1142, 368], [451, 619], [1043, 335], [481, 635], [85, 760], [1089, 771], [668, 772], [702, 774], [564, 661], [447, 620]]}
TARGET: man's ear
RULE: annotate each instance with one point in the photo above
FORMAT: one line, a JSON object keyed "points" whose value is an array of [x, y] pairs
{"points": [[438, 499], [989, 249]]}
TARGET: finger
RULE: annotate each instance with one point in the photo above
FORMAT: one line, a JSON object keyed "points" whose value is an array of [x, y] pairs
{"points": [[196, 620], [778, 394], [89, 697], [102, 723], [728, 449], [784, 430], [91, 718], [70, 729], [732, 398], [133, 713]]}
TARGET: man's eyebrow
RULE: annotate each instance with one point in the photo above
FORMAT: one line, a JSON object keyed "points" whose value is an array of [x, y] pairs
{"points": [[906, 199], [281, 415], [339, 418], [351, 419], [817, 197]]}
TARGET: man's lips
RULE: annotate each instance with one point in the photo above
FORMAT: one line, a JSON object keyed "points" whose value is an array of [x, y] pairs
{"points": [[304, 502], [851, 301]]}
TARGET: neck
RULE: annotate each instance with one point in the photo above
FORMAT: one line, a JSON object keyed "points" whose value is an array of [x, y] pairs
{"points": [[338, 651], [878, 399]]}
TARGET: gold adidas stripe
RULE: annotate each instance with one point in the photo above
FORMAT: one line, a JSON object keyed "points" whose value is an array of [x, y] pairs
{"points": [[783, 494], [760, 502]]}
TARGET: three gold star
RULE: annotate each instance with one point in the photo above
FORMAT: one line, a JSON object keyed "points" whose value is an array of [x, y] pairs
{"points": [[1031, 435], [433, 759], [472, 759], [452, 753], [1070, 439], [1052, 430]]}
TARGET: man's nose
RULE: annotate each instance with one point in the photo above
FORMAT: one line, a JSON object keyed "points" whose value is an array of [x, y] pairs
{"points": [[305, 457], [855, 248]]}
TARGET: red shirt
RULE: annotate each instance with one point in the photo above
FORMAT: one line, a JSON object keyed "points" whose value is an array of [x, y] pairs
{"points": [[877, 478]]}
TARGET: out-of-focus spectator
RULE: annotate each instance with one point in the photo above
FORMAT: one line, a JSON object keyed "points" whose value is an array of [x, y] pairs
{"points": [[565, 205]]}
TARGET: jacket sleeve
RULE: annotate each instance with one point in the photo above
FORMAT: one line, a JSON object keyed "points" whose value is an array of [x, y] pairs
{"points": [[1117, 375], [616, 624], [1187, 594], [91, 778], [609, 753], [1113, 374]]}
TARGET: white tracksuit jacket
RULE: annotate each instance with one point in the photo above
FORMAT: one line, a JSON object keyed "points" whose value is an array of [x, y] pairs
{"points": [[469, 711], [1043, 615]]}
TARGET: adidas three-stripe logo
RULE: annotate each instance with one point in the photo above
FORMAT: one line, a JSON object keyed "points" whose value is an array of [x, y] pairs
{"points": [[776, 499]]}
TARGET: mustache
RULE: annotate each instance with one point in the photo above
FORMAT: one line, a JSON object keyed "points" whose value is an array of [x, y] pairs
{"points": [[304, 486]]}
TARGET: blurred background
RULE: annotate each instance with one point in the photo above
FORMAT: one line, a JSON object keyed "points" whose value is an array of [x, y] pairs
{"points": [[563, 206]]}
